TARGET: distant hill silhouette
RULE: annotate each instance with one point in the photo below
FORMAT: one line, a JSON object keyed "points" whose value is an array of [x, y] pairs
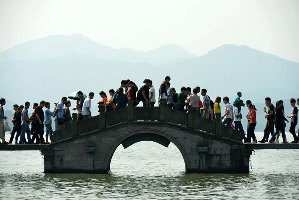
{"points": [[55, 66]]}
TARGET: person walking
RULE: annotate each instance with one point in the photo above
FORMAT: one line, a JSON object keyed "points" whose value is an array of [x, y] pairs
{"points": [[34, 123], [193, 99], [252, 124], [294, 120], [79, 105], [280, 123], [163, 89], [67, 114], [40, 118], [206, 104], [48, 121], [228, 116], [217, 108], [25, 125], [120, 99], [143, 93], [111, 105], [86, 111], [132, 92], [270, 116], [152, 94], [2, 119], [58, 114], [17, 128], [103, 102], [182, 98], [238, 118]]}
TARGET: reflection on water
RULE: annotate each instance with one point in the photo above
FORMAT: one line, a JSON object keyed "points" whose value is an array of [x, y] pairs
{"points": [[147, 170]]}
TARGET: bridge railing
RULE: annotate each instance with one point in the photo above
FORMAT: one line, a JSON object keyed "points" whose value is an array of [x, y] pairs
{"points": [[163, 114]]}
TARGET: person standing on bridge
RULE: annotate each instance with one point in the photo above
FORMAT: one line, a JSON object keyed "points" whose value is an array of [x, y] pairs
{"points": [[182, 98], [86, 111], [111, 105], [152, 94], [294, 119], [270, 116], [2, 119], [252, 124], [120, 99], [58, 114], [48, 121], [206, 104], [25, 125], [193, 99], [16, 120], [217, 108], [228, 116], [238, 118], [279, 123], [143, 93], [79, 105], [163, 90], [132, 92], [34, 125], [40, 117]]}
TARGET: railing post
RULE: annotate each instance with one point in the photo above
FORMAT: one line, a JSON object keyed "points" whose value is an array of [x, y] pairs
{"points": [[218, 127], [102, 117], [130, 111], [192, 113], [75, 125], [162, 108]]}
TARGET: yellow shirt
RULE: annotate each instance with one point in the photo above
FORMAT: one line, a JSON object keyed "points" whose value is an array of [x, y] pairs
{"points": [[217, 108]]}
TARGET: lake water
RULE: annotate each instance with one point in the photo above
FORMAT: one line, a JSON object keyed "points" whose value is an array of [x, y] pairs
{"points": [[148, 170]]}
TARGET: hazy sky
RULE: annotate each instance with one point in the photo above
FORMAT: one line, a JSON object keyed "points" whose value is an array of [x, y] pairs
{"points": [[199, 26]]}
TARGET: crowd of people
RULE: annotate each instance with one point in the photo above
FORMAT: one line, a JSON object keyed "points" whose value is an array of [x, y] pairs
{"points": [[41, 119]]}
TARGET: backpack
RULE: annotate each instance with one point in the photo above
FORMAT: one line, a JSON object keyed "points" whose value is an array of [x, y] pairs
{"points": [[139, 95]]}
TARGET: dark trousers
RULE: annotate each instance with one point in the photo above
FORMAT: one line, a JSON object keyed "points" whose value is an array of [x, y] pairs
{"points": [[279, 128], [250, 133], [293, 131], [35, 138], [181, 107], [152, 104], [239, 127], [39, 134], [269, 129], [170, 105], [18, 130]]}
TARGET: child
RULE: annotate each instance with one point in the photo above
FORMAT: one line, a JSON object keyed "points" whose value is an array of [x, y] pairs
{"points": [[110, 105], [294, 119], [48, 122]]}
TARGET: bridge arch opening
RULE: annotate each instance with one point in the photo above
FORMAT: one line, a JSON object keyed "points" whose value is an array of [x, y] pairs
{"points": [[147, 154]]}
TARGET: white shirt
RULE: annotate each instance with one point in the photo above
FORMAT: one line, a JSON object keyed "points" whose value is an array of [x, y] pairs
{"points": [[229, 107], [152, 90], [193, 100], [86, 104], [237, 114]]}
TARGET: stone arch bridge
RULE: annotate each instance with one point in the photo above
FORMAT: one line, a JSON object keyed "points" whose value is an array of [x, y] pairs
{"points": [[88, 146]]}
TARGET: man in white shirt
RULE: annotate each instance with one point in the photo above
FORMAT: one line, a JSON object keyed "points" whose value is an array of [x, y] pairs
{"points": [[193, 99], [238, 118], [228, 117], [152, 95], [86, 110], [206, 104]]}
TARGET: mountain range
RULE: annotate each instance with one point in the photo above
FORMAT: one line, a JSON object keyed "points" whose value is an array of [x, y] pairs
{"points": [[55, 66]]}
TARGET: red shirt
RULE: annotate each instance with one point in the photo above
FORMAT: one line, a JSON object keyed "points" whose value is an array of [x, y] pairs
{"points": [[200, 104], [252, 116]]}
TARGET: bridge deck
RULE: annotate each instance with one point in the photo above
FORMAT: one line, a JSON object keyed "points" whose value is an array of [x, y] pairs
{"points": [[23, 147], [272, 146]]}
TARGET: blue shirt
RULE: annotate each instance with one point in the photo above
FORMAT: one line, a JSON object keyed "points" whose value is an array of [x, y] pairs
{"points": [[48, 115], [23, 116], [60, 112]]}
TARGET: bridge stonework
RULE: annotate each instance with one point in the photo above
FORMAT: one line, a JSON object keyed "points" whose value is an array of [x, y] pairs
{"points": [[88, 146]]}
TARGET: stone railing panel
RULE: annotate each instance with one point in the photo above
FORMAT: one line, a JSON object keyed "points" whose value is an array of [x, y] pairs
{"points": [[88, 125], [150, 113], [116, 117]]}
